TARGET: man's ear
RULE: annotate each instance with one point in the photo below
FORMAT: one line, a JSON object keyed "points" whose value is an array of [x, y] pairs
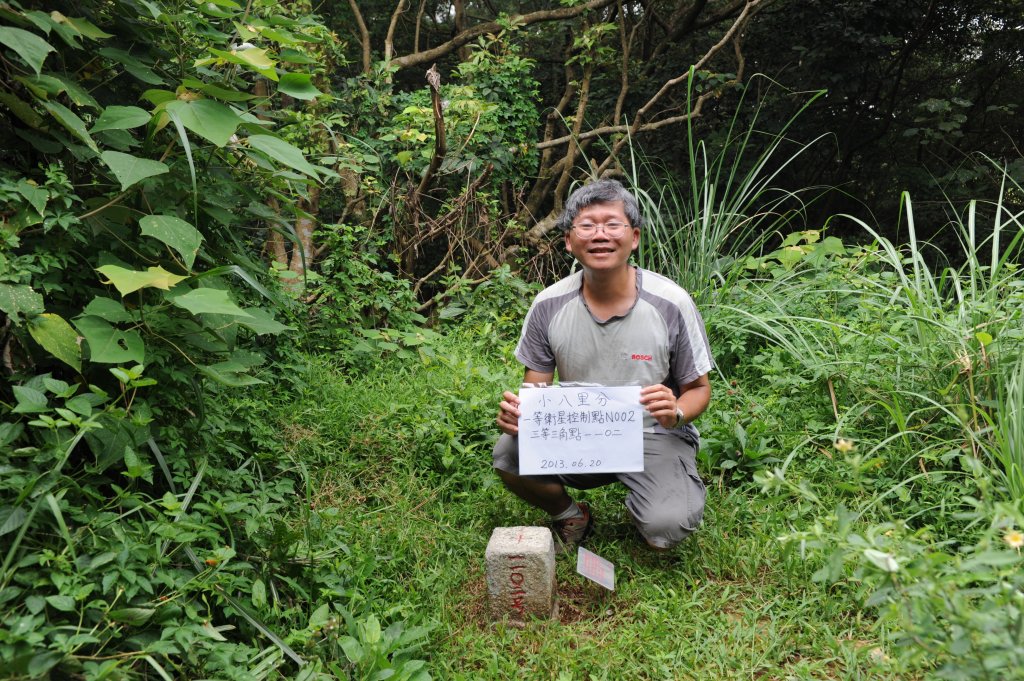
{"points": [[568, 248]]}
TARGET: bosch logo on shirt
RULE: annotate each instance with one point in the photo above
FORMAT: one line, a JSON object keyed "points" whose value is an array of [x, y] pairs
{"points": [[641, 357]]}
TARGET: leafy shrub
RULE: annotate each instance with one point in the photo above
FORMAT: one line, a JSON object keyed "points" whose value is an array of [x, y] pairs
{"points": [[147, 524], [361, 309]]}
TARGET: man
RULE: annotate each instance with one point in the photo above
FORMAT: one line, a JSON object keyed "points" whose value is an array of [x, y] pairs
{"points": [[615, 324]]}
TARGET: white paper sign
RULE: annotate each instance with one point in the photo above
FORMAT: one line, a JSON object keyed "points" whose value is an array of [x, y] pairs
{"points": [[596, 568], [580, 430]]}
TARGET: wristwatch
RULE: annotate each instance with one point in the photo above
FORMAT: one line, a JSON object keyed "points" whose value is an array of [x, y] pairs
{"points": [[680, 418]]}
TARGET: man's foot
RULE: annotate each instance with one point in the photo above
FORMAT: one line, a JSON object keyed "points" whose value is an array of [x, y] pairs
{"points": [[572, 531]]}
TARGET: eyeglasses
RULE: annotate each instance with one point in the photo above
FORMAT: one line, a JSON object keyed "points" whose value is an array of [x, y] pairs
{"points": [[588, 230]]}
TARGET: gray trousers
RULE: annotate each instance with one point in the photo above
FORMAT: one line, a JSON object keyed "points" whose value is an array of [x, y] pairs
{"points": [[665, 500]]}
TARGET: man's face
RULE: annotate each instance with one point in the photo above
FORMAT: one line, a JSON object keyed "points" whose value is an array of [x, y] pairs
{"points": [[601, 250]]}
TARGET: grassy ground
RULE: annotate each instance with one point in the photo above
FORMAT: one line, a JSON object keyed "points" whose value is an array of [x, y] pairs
{"points": [[404, 456]]}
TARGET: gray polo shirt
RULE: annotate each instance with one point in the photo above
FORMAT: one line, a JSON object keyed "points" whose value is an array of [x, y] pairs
{"points": [[661, 339]]}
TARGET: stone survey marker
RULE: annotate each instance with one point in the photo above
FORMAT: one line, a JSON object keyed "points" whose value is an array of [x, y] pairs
{"points": [[521, 573]]}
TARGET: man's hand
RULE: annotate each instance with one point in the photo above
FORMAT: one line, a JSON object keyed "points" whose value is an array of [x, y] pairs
{"points": [[660, 403], [508, 413]]}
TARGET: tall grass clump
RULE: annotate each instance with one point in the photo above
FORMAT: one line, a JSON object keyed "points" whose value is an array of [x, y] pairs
{"points": [[961, 315], [1005, 444], [731, 205], [916, 511]]}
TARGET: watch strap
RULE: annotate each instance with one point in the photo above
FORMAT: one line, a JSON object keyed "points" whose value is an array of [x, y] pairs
{"points": [[680, 418]]}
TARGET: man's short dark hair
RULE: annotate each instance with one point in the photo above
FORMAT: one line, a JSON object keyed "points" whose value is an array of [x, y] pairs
{"points": [[601, 191]]}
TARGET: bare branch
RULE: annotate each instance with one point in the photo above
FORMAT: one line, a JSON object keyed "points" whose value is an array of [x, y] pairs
{"points": [[684, 22], [639, 125], [620, 129], [440, 141], [542, 185], [364, 35], [543, 227], [627, 48], [577, 124], [419, 23], [389, 41], [740, 21], [472, 33], [638, 120], [459, 10]]}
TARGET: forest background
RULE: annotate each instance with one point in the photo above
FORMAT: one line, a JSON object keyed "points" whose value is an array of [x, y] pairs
{"points": [[263, 265]]}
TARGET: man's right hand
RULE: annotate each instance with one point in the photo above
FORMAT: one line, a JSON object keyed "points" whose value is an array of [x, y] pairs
{"points": [[508, 413]]}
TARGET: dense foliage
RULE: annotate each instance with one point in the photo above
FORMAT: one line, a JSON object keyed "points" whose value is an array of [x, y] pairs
{"points": [[139, 507], [260, 283]]}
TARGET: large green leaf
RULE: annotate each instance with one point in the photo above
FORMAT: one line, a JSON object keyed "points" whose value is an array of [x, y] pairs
{"points": [[209, 301], [299, 86], [208, 119], [121, 118], [34, 194], [47, 23], [296, 57], [70, 120], [58, 338], [62, 602], [132, 65], [253, 57], [11, 517], [176, 233], [22, 110], [130, 169], [218, 92], [29, 400], [283, 37], [283, 152], [154, 10], [242, 274], [78, 95], [42, 662], [19, 299], [134, 616], [85, 27], [156, 96], [126, 281], [263, 322], [30, 47], [42, 86], [110, 345], [229, 374], [107, 308]]}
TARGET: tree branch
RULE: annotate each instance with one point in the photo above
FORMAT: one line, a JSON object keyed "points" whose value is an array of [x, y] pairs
{"points": [[685, 22], [638, 120], [472, 33], [638, 126], [419, 23], [440, 141], [364, 36], [389, 41], [577, 124]]}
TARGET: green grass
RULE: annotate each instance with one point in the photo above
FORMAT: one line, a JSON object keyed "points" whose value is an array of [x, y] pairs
{"points": [[729, 603], [887, 561]]}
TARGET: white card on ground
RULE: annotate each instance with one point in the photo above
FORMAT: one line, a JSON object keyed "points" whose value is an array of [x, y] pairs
{"points": [[595, 568], [580, 430]]}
